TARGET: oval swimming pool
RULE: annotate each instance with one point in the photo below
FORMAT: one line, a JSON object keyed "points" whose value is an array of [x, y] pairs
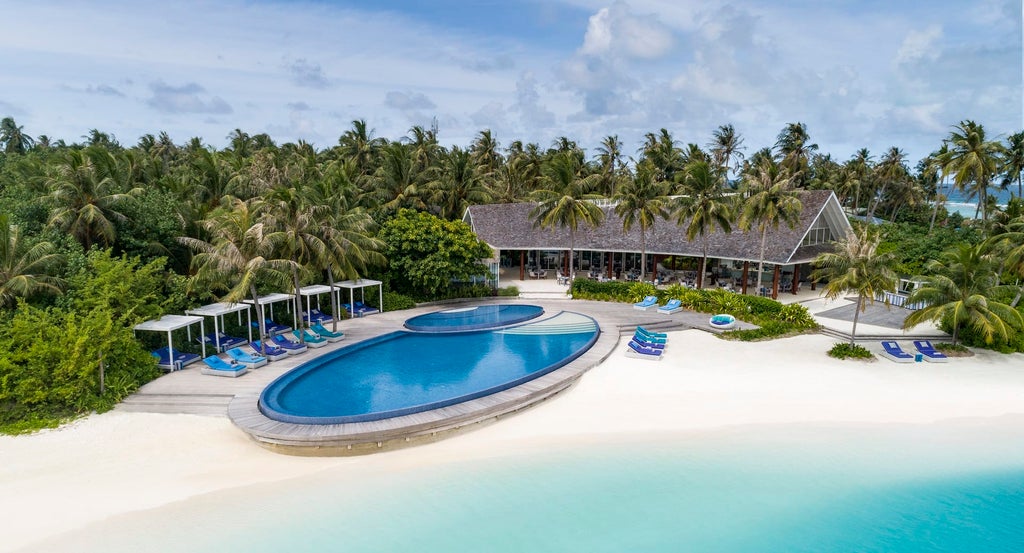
{"points": [[406, 372], [474, 318]]}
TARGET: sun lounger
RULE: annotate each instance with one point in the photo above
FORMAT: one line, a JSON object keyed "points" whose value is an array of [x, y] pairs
{"points": [[226, 342], [671, 307], [892, 350], [215, 366], [292, 347], [324, 333], [250, 361], [647, 303], [364, 309], [272, 328], [644, 332], [312, 340], [647, 344], [270, 351], [637, 351], [929, 352], [181, 359], [316, 316]]}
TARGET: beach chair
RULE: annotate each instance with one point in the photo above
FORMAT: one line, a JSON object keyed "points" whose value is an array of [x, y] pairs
{"points": [[671, 307], [327, 334], [181, 359], [312, 340], [932, 355], [363, 309], [291, 346], [270, 351], [314, 315], [272, 327], [647, 303], [215, 366], [648, 344], [643, 331], [638, 351], [250, 361], [226, 342], [892, 351]]}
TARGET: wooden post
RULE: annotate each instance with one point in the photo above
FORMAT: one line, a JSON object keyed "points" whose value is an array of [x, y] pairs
{"points": [[746, 269], [522, 264], [775, 282], [654, 271], [796, 278]]}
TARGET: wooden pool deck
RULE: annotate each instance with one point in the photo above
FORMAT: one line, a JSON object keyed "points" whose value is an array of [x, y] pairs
{"points": [[189, 391]]}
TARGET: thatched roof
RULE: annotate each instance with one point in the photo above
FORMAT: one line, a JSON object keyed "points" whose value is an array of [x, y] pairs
{"points": [[510, 227]]}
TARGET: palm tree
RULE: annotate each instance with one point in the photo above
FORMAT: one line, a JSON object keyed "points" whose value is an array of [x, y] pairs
{"points": [[239, 255], [704, 205], [359, 144], [457, 184], [610, 159], [973, 161], [890, 171], [958, 287], [86, 192], [641, 201], [565, 199], [1013, 162], [771, 201], [794, 147], [397, 182], [725, 144], [485, 155], [13, 138], [24, 268], [856, 266], [1009, 246], [661, 150]]}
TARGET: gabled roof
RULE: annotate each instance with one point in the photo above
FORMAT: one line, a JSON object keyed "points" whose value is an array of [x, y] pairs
{"points": [[510, 227]]}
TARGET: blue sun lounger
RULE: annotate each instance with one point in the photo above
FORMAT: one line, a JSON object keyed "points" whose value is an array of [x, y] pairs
{"points": [[892, 351], [648, 344], [932, 355], [272, 327], [215, 366], [671, 307], [226, 342], [316, 316], [181, 359], [291, 346], [270, 351], [640, 352], [645, 332], [250, 361], [324, 333], [647, 303], [312, 340]]}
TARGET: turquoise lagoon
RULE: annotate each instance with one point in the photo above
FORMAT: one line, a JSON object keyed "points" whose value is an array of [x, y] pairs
{"points": [[776, 489]]}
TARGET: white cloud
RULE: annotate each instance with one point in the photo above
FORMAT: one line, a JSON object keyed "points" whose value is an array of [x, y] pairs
{"points": [[920, 44], [307, 74], [187, 98], [618, 31], [408, 100]]}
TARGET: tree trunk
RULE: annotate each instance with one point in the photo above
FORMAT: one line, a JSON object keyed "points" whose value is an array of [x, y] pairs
{"points": [[298, 304], [261, 320], [335, 309], [935, 213], [856, 316], [760, 260], [703, 262], [643, 253]]}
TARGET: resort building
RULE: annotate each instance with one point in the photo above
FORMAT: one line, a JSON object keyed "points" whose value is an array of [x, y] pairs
{"points": [[609, 252]]}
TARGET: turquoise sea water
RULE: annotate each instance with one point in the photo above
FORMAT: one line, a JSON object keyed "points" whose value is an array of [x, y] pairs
{"points": [[782, 489]]}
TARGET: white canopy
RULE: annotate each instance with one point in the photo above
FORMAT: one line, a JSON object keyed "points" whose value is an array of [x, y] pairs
{"points": [[217, 311], [271, 299], [170, 323], [361, 284], [316, 290]]}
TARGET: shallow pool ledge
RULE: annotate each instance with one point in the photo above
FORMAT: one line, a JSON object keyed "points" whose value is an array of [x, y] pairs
{"points": [[360, 438]]}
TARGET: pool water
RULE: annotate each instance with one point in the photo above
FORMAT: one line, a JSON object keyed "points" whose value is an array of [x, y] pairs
{"points": [[758, 490], [406, 372], [474, 318]]}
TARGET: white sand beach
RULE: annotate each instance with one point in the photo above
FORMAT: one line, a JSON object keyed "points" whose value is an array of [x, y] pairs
{"points": [[116, 463]]}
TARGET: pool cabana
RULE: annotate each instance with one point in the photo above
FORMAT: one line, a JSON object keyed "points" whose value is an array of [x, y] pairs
{"points": [[168, 324], [361, 284], [317, 290], [217, 311], [270, 300]]}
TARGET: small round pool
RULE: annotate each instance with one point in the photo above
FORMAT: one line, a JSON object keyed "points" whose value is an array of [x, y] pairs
{"points": [[409, 372], [474, 318]]}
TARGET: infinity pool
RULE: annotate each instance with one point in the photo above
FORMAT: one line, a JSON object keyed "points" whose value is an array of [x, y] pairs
{"points": [[409, 372], [474, 318]]}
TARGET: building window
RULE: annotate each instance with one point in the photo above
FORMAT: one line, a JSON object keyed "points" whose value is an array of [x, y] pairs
{"points": [[819, 234]]}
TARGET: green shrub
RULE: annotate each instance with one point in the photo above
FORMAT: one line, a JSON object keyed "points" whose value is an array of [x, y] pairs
{"points": [[393, 301], [509, 291], [640, 290], [586, 289], [845, 350]]}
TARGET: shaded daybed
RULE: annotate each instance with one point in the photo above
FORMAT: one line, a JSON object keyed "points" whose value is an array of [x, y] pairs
{"points": [[170, 358], [218, 339]]}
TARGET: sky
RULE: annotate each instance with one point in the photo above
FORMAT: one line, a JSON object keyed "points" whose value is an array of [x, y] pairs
{"points": [[859, 73]]}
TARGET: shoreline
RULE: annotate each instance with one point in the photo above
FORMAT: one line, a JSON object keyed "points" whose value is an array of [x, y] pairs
{"points": [[118, 463]]}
